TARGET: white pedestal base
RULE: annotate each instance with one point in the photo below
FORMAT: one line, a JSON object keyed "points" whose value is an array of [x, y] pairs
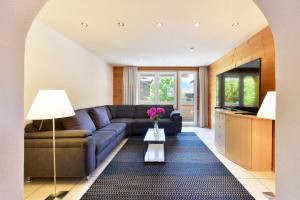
{"points": [[155, 153]]}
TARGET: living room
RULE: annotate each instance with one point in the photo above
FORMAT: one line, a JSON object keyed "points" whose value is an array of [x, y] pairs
{"points": [[205, 74]]}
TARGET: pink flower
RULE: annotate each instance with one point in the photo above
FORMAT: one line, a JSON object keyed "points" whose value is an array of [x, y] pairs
{"points": [[155, 113], [161, 110]]}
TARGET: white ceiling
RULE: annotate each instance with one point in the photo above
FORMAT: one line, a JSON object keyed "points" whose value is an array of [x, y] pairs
{"points": [[141, 43]]}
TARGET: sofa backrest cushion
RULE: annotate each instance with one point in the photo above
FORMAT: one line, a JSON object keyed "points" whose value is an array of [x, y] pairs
{"points": [[113, 111], [126, 111], [168, 109], [100, 117], [47, 124], [141, 111], [108, 112], [80, 121]]}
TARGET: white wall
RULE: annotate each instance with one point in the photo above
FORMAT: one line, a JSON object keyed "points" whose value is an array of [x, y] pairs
{"points": [[283, 17], [52, 61], [15, 19]]}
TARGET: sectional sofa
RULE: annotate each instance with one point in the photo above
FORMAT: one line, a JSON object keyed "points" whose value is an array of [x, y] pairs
{"points": [[83, 141]]}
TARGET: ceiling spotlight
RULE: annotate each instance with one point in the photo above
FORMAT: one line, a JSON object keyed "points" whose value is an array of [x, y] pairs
{"points": [[84, 24], [235, 24], [192, 49], [159, 24], [121, 24], [197, 24]]}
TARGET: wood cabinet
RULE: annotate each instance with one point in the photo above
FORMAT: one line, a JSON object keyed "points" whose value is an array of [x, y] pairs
{"points": [[244, 139], [220, 132]]}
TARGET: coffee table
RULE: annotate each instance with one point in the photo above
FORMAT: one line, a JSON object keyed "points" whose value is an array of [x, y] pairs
{"points": [[154, 146]]}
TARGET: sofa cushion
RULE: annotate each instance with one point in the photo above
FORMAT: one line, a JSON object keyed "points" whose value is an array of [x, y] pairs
{"points": [[46, 125], [143, 123], [80, 121], [116, 127], [113, 110], [103, 139], [127, 121], [125, 111], [148, 123], [168, 109], [108, 113], [99, 117], [141, 111]]}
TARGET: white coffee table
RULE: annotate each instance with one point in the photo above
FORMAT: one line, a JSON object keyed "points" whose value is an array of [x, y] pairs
{"points": [[154, 146]]}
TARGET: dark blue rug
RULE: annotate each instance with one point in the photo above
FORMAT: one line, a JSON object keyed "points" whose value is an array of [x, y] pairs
{"points": [[191, 171]]}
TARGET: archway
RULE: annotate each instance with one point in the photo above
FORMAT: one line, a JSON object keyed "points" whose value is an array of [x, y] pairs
{"points": [[16, 17]]}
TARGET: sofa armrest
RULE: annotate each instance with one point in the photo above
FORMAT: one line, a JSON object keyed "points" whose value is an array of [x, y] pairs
{"points": [[58, 134], [174, 114]]}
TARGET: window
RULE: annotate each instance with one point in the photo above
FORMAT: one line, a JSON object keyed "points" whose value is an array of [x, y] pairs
{"points": [[146, 88], [160, 87], [157, 88], [231, 93], [251, 90], [167, 89]]}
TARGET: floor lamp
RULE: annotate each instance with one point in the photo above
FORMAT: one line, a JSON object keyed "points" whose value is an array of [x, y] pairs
{"points": [[267, 110], [51, 104]]}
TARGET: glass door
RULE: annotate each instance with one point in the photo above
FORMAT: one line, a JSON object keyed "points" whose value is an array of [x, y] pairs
{"points": [[188, 97]]}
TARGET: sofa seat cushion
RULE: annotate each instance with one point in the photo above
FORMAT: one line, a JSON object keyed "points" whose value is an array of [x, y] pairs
{"points": [[148, 123], [127, 121], [142, 123], [103, 139], [100, 117], [80, 121], [116, 127]]}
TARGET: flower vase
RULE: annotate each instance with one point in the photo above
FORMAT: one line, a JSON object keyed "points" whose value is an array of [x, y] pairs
{"points": [[156, 129]]}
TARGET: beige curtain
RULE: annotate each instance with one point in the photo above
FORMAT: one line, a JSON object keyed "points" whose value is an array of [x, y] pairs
{"points": [[129, 85], [203, 97]]}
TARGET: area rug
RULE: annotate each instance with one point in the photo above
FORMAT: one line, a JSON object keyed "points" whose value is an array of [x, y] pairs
{"points": [[191, 171]]}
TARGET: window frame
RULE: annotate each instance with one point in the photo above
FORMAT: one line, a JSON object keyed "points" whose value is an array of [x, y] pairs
{"points": [[157, 75]]}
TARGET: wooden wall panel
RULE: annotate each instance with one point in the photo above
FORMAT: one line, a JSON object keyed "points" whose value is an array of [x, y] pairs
{"points": [[261, 45], [117, 85]]}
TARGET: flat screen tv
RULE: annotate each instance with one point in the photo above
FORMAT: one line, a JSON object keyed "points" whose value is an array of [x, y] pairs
{"points": [[239, 88]]}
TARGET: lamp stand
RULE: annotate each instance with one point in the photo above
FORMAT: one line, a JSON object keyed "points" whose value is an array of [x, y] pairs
{"points": [[60, 194]]}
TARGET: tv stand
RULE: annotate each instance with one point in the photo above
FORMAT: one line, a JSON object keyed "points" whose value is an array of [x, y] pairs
{"points": [[244, 139]]}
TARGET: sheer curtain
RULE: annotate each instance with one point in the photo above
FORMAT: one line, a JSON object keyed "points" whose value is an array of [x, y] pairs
{"points": [[203, 97], [129, 85]]}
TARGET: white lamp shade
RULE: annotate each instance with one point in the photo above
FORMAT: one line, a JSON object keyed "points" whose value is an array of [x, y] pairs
{"points": [[267, 109], [50, 104]]}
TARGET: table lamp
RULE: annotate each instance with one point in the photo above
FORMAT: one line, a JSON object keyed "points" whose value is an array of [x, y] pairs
{"points": [[51, 104]]}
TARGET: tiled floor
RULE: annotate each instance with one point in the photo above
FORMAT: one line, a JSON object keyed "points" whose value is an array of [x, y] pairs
{"points": [[254, 182]]}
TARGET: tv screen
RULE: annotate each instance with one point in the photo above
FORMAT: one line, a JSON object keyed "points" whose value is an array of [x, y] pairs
{"points": [[239, 88]]}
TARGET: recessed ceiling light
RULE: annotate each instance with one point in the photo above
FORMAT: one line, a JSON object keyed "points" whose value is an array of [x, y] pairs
{"points": [[235, 24], [192, 49], [159, 24], [121, 24], [84, 24], [197, 24]]}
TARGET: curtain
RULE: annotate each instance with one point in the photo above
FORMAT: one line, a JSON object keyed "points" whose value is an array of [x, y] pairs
{"points": [[203, 97], [129, 85]]}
